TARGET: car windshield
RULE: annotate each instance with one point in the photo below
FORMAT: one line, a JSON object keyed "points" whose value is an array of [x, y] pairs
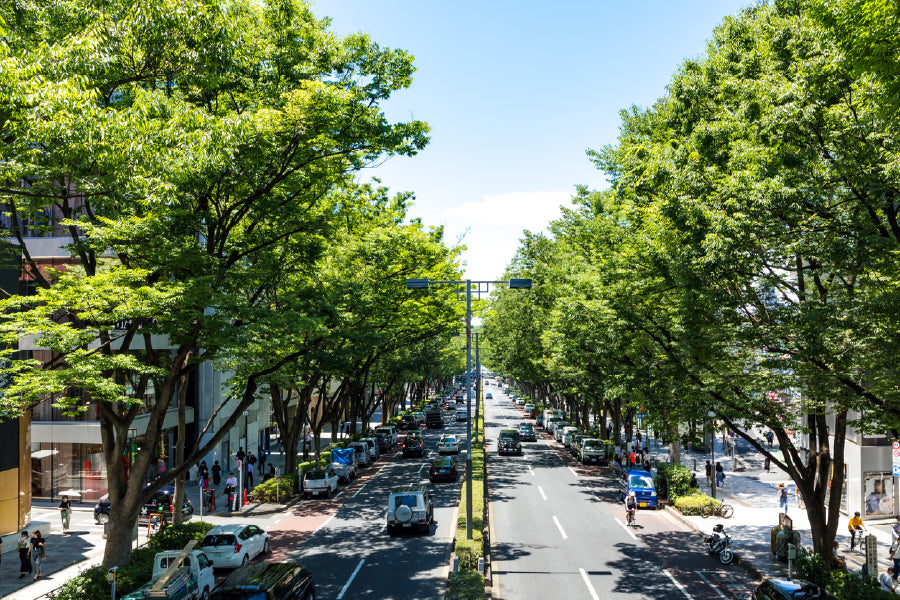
{"points": [[220, 539], [640, 482], [526, 427], [449, 440], [408, 500], [317, 474], [593, 445], [508, 435]]}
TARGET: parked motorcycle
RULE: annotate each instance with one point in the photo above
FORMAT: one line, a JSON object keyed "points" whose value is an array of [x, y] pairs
{"points": [[720, 544]]}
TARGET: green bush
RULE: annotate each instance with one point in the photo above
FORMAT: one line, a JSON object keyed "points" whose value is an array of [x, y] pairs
{"points": [[677, 480], [286, 490], [176, 537], [692, 503], [812, 568], [92, 582], [847, 586], [466, 585]]}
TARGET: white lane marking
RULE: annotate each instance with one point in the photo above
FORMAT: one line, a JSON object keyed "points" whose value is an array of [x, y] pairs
{"points": [[420, 468], [573, 472], [530, 470], [349, 581], [541, 490], [359, 490], [678, 585], [626, 528], [587, 582], [711, 584], [339, 493], [558, 526], [327, 521]]}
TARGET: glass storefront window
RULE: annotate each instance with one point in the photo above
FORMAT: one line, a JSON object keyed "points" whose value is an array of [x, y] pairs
{"points": [[76, 470], [879, 494]]}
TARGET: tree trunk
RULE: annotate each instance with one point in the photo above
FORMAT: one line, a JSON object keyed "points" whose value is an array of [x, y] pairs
{"points": [[177, 516], [674, 443]]}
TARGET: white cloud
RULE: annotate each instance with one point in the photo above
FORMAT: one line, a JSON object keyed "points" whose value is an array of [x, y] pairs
{"points": [[494, 226]]}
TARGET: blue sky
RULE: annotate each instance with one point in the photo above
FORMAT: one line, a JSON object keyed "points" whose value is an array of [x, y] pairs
{"points": [[515, 93]]}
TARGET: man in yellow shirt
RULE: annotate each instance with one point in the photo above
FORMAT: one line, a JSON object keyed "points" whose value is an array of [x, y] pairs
{"points": [[855, 525]]}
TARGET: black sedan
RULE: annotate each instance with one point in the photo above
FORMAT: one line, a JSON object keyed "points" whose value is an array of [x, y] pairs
{"points": [[413, 444], [161, 502], [283, 580], [443, 468], [408, 423], [509, 442]]}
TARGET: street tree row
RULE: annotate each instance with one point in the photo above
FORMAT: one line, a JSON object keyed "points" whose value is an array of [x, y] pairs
{"points": [[204, 157], [744, 259]]}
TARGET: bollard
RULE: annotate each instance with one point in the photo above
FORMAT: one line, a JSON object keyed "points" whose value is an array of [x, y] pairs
{"points": [[244, 500]]}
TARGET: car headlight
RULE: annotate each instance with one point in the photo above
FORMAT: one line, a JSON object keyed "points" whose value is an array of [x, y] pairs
{"points": [[653, 494]]}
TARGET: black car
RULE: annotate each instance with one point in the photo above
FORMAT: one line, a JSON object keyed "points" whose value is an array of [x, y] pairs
{"points": [[408, 422], [509, 443], [785, 589], [443, 468], [160, 503], [384, 445], [269, 581], [413, 445]]}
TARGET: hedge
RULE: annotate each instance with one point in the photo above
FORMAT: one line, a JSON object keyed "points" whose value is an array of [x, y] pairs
{"points": [[286, 489], [841, 584], [466, 585], [692, 503], [677, 480], [92, 582]]}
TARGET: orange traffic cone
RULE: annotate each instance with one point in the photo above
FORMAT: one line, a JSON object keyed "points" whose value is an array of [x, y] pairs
{"points": [[245, 502]]}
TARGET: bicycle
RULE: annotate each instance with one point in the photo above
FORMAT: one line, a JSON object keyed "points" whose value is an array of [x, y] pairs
{"points": [[726, 511], [630, 517]]}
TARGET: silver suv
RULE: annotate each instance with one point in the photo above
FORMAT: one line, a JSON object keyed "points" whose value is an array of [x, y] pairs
{"points": [[410, 506]]}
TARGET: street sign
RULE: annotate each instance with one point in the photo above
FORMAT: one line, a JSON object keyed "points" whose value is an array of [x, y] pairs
{"points": [[895, 450], [872, 555], [277, 473]]}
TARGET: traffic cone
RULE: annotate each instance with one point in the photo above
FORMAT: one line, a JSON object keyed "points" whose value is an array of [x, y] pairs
{"points": [[245, 502]]}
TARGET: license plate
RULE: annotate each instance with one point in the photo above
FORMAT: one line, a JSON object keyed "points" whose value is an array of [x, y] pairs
{"points": [[643, 504], [407, 524]]}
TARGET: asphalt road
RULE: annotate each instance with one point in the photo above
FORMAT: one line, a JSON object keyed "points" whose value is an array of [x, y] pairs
{"points": [[351, 554], [559, 531]]}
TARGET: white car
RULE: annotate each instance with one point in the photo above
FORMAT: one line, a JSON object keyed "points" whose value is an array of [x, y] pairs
{"points": [[420, 417], [390, 432], [448, 445], [320, 482], [461, 415], [232, 546], [373, 447]]}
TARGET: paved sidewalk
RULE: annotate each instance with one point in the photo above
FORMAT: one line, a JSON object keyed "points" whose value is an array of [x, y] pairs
{"points": [[753, 495]]}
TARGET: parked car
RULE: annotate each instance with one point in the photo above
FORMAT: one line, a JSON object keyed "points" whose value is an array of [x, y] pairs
{"points": [[539, 420], [194, 574], [391, 432], [373, 447], [409, 506], [160, 502], [343, 461], [384, 443], [555, 426], [408, 422], [591, 450], [448, 444], [268, 580], [489, 396], [413, 444], [420, 417], [443, 468], [575, 441], [526, 432], [363, 456], [461, 414], [789, 589], [520, 402], [529, 408], [234, 545], [508, 442], [320, 482], [641, 483], [567, 434]]}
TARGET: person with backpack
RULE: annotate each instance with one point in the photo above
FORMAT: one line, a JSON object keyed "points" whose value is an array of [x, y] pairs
{"points": [[720, 475], [782, 492]]}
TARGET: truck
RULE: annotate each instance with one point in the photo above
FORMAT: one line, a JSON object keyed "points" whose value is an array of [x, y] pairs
{"points": [[591, 450], [552, 413], [434, 419], [343, 461], [185, 574]]}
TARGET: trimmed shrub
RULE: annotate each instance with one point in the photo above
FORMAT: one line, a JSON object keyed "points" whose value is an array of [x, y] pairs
{"points": [[466, 585], [812, 568], [176, 537], [692, 503], [677, 480], [286, 490], [92, 582]]}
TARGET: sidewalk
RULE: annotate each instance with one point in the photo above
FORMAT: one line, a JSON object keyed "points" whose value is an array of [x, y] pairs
{"points": [[753, 495]]}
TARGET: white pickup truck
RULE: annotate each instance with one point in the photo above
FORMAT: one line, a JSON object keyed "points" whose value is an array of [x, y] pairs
{"points": [[178, 575]]}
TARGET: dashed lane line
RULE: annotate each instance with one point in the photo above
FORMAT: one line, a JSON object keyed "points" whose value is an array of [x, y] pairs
{"points": [[362, 487], [349, 581], [541, 490], [558, 526], [678, 585], [590, 587]]}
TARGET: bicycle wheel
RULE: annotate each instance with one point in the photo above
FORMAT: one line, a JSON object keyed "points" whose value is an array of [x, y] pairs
{"points": [[727, 511], [706, 510]]}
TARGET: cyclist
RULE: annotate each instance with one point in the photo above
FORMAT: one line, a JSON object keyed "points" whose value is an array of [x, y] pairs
{"points": [[855, 526], [631, 507]]}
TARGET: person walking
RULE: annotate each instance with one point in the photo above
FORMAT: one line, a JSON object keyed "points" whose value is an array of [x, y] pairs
{"points": [[240, 454], [217, 473], [203, 470], [720, 475], [65, 513], [231, 491], [799, 496], [855, 526], [24, 555], [249, 475], [770, 437], [709, 474], [768, 464], [38, 552]]}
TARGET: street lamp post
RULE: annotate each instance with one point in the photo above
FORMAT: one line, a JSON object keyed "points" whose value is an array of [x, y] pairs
{"points": [[712, 451], [423, 284]]}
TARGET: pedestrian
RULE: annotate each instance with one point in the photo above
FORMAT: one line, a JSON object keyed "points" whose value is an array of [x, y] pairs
{"points": [[65, 513], [782, 493], [24, 556], [38, 552], [216, 473], [770, 437], [240, 454], [799, 496], [768, 464], [720, 475], [631, 458], [203, 470], [230, 487], [646, 465], [895, 547], [694, 483], [886, 580], [249, 475], [855, 526]]}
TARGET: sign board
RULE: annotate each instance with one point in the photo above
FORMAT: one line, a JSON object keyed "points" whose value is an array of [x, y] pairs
{"points": [[872, 555], [895, 451], [277, 473]]}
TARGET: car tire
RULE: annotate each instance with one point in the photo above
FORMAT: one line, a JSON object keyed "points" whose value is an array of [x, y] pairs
{"points": [[102, 518], [205, 594], [245, 560]]}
